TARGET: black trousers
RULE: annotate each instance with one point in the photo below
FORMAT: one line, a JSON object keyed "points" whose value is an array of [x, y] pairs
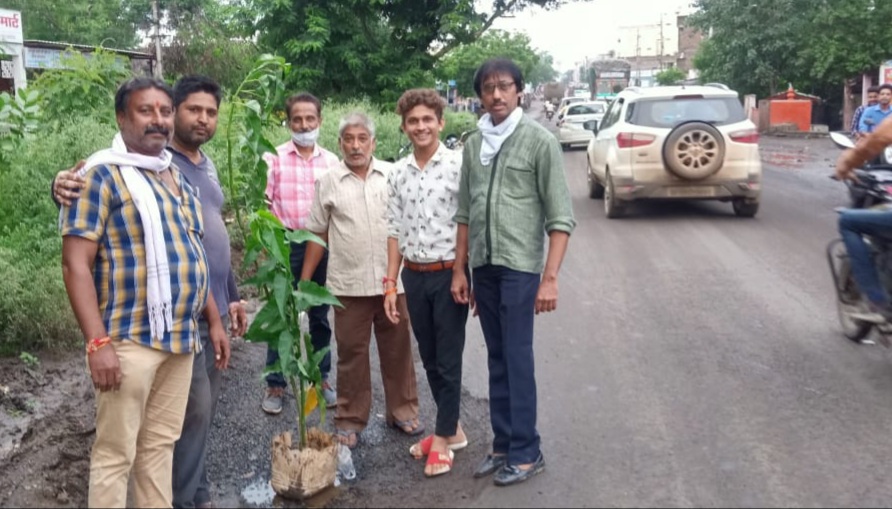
{"points": [[439, 327]]}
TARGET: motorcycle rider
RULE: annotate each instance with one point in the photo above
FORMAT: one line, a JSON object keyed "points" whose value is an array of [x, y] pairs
{"points": [[855, 223], [549, 109]]}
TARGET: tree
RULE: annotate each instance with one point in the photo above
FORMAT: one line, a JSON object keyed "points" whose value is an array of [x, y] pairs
{"points": [[670, 76], [173, 13], [544, 70], [462, 62], [97, 23], [209, 43], [847, 38], [758, 47], [375, 48], [754, 44]]}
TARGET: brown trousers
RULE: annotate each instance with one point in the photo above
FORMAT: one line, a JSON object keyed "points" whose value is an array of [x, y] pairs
{"points": [[353, 327]]}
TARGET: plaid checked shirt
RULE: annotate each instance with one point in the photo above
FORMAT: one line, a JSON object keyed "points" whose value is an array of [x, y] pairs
{"points": [[291, 182], [856, 118], [106, 214]]}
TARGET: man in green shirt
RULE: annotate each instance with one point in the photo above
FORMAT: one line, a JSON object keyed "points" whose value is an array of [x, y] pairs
{"points": [[513, 191]]}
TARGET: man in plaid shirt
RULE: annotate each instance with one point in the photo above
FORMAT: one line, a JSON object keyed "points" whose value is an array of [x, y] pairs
{"points": [[290, 189], [872, 96]]}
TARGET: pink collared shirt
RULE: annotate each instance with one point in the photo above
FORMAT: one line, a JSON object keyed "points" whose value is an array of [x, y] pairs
{"points": [[291, 182]]}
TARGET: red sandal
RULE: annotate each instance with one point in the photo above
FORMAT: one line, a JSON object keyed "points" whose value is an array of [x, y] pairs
{"points": [[439, 459], [425, 445]]}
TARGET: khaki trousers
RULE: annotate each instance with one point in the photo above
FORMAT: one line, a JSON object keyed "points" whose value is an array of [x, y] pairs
{"points": [[353, 327], [137, 426]]}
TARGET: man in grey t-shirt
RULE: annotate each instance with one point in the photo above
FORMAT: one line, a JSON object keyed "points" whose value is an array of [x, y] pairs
{"points": [[197, 100]]}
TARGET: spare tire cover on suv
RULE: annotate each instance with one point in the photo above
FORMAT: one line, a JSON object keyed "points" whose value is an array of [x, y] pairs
{"points": [[694, 151]]}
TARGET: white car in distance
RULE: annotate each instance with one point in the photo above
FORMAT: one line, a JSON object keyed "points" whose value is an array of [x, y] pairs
{"points": [[577, 127], [565, 102]]}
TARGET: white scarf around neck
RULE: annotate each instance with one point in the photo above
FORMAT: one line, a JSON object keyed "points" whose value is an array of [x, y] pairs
{"points": [[495, 135], [160, 302]]}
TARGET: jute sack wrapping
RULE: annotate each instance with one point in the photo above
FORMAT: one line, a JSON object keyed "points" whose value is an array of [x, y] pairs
{"points": [[298, 474]]}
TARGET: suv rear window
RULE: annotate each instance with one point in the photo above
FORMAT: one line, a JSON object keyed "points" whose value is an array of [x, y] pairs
{"points": [[671, 112]]}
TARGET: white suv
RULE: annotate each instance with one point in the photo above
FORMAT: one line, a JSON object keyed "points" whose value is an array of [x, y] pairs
{"points": [[686, 142]]}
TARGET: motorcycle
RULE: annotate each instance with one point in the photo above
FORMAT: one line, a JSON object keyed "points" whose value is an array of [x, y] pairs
{"points": [[872, 189], [549, 114], [457, 142]]}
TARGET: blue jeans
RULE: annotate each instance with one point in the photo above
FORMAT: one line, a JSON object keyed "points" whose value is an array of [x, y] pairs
{"points": [[853, 225], [320, 330], [506, 301]]}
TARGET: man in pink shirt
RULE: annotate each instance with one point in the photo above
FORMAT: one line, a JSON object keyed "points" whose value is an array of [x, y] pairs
{"points": [[290, 189]]}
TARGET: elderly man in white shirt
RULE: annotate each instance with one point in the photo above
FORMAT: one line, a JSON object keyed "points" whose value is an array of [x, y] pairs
{"points": [[423, 191], [349, 213]]}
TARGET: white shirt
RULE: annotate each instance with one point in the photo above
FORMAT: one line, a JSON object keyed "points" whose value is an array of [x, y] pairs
{"points": [[422, 205], [354, 213]]}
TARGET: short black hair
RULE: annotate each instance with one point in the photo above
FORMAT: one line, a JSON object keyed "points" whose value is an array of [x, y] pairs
{"points": [[885, 86], [497, 66], [188, 85], [873, 90], [135, 85], [303, 97]]}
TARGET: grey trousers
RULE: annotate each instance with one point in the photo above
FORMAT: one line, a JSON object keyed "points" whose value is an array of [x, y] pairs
{"points": [[190, 477]]}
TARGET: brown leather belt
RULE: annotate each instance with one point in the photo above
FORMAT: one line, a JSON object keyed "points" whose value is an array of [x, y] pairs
{"points": [[429, 267]]}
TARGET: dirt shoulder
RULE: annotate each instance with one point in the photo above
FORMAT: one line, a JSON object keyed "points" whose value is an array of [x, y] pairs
{"points": [[46, 431]]}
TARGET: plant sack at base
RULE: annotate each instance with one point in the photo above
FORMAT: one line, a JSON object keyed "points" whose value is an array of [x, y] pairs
{"points": [[301, 473]]}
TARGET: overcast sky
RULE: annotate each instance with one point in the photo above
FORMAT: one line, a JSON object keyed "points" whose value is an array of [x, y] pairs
{"points": [[582, 29]]}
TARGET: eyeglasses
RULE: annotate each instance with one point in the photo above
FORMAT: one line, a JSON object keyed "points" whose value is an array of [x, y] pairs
{"points": [[504, 86]]}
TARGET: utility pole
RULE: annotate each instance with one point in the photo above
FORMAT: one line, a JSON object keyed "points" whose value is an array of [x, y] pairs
{"points": [[661, 41], [159, 69], [638, 55]]}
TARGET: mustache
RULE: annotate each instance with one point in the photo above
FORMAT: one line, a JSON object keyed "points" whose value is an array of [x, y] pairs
{"points": [[153, 129], [356, 153]]}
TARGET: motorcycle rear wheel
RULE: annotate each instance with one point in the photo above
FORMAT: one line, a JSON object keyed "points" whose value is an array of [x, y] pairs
{"points": [[847, 295], [853, 330]]}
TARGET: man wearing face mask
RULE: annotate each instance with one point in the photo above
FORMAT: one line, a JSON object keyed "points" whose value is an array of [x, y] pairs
{"points": [[290, 189]]}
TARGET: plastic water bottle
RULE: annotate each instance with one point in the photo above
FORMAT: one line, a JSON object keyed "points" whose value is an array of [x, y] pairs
{"points": [[304, 322], [346, 470]]}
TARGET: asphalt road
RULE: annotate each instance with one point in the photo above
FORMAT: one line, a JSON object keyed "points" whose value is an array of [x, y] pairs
{"points": [[695, 358]]}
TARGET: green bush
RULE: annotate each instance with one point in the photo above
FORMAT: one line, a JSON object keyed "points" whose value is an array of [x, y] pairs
{"points": [[85, 87], [34, 312], [34, 309], [458, 122]]}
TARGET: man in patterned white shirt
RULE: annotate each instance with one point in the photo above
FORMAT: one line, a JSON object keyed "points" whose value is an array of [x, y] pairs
{"points": [[349, 213], [423, 194], [290, 188]]}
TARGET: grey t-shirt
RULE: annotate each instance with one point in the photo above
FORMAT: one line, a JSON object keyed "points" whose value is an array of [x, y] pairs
{"points": [[203, 177]]}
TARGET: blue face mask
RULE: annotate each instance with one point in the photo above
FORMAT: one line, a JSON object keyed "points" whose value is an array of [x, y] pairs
{"points": [[307, 139]]}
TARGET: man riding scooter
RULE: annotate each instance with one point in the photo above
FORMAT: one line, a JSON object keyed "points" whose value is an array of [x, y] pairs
{"points": [[549, 109], [855, 223]]}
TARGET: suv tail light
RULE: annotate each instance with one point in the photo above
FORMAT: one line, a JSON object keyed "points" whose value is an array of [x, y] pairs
{"points": [[632, 140], [748, 136]]}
